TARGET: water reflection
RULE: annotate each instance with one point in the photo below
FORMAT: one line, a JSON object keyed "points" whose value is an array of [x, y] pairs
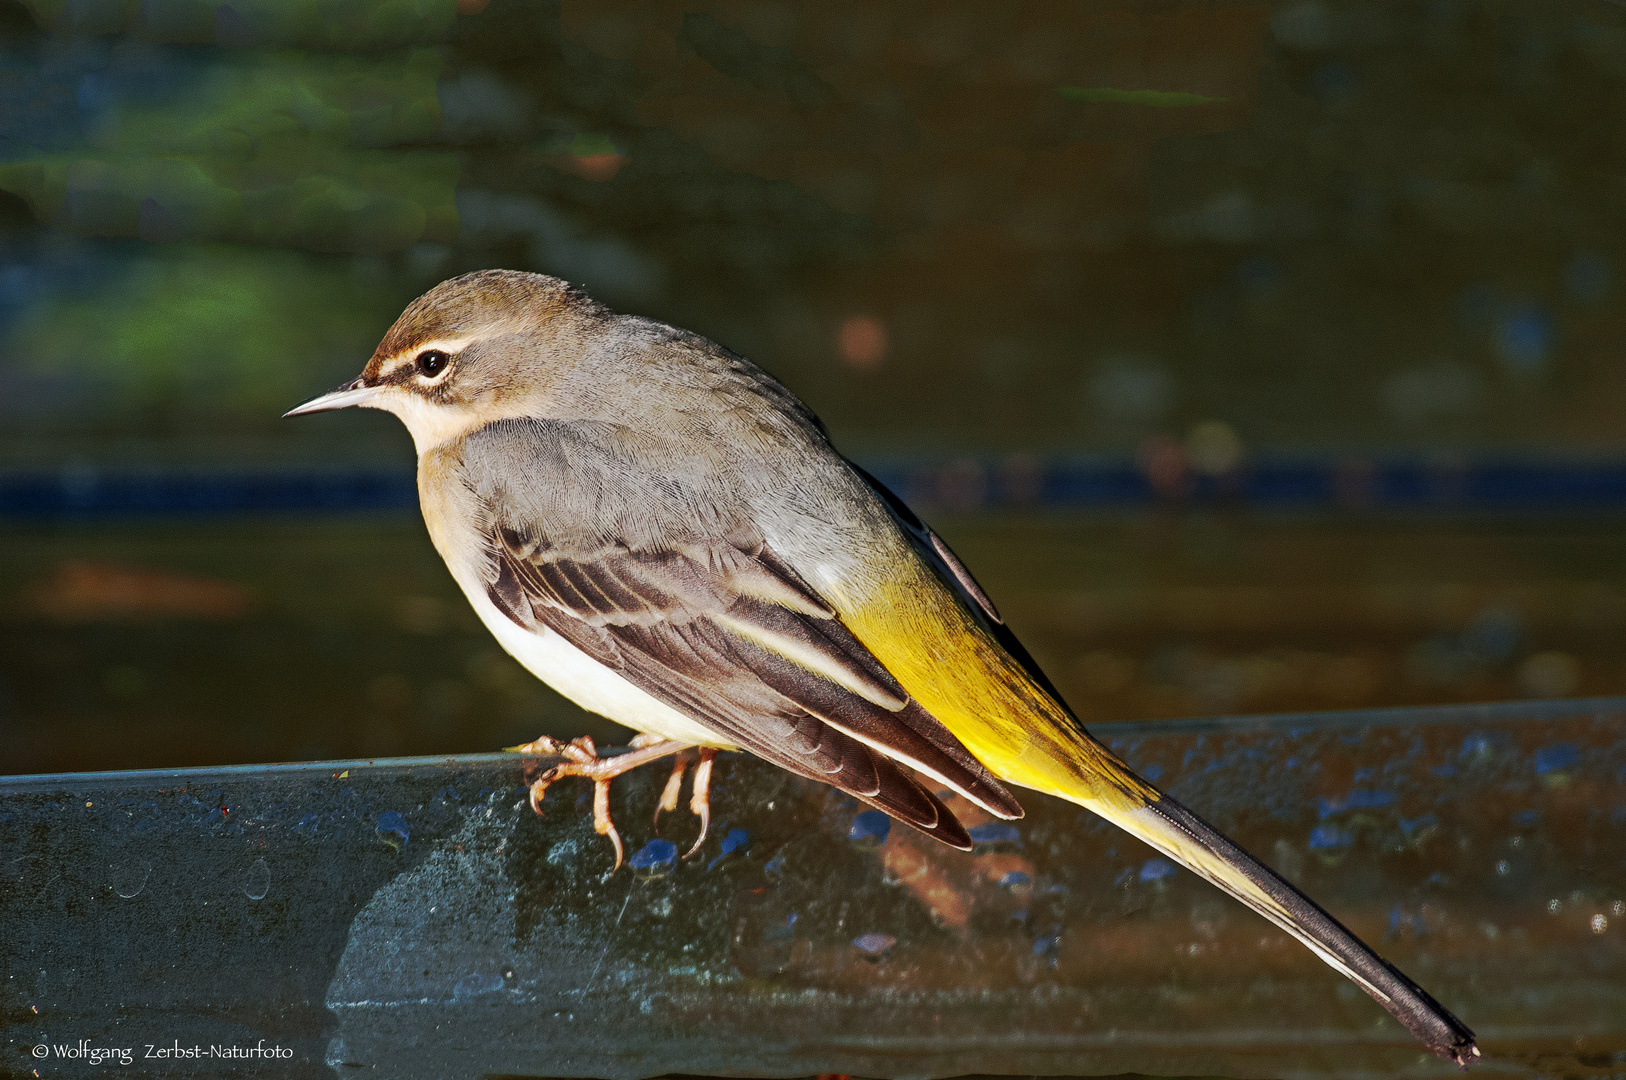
{"points": [[288, 640]]}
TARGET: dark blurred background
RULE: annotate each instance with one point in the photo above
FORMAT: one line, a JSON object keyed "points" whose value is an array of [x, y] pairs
{"points": [[1257, 356]]}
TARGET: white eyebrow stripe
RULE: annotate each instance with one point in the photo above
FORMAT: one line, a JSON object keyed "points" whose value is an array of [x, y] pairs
{"points": [[449, 346]]}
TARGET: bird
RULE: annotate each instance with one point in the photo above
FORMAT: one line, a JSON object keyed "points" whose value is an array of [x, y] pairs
{"points": [[660, 530]]}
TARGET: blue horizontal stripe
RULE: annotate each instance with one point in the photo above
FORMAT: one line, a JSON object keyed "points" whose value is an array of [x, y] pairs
{"points": [[963, 484]]}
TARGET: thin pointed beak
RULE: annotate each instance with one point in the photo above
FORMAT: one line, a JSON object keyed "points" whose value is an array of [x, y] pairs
{"points": [[354, 392]]}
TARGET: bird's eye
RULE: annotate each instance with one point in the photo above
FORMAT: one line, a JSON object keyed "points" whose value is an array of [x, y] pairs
{"points": [[432, 362]]}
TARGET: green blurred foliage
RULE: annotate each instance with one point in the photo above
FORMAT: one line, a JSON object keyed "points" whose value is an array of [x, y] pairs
{"points": [[348, 25], [1332, 224], [249, 332], [588, 144], [281, 148], [227, 159]]}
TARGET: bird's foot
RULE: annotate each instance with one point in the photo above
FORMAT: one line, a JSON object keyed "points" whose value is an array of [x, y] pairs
{"points": [[699, 799], [581, 759]]}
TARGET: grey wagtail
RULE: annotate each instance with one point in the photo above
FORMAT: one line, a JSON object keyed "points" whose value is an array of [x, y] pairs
{"points": [[662, 532]]}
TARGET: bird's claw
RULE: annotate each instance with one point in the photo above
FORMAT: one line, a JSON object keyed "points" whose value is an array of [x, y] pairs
{"points": [[601, 819], [700, 799], [539, 791], [581, 759]]}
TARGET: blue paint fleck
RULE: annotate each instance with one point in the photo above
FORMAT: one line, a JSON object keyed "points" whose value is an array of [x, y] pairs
{"points": [[1527, 817], [1412, 826], [1557, 756], [736, 839], [875, 945], [1327, 837], [655, 859], [995, 832], [1401, 919], [1358, 799], [1153, 772], [1482, 744], [870, 829], [1156, 869], [393, 829], [1049, 946], [1444, 772], [1014, 879]]}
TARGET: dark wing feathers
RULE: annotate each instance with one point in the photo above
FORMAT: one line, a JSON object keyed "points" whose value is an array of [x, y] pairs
{"points": [[826, 642], [729, 634], [695, 673], [507, 592]]}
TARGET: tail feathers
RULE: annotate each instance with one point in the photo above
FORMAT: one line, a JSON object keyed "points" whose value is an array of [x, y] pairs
{"points": [[1183, 836]]}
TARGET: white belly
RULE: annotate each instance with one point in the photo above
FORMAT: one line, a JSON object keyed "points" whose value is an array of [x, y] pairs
{"points": [[585, 681]]}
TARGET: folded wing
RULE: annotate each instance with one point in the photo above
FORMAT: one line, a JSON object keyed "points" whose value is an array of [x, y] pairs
{"points": [[727, 633]]}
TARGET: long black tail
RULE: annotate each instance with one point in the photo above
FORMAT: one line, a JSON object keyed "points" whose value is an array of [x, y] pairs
{"points": [[1187, 838]]}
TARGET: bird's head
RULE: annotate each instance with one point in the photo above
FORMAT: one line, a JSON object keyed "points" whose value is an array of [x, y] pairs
{"points": [[478, 348]]}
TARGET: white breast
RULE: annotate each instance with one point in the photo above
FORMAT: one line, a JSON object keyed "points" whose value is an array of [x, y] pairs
{"points": [[584, 680], [449, 514]]}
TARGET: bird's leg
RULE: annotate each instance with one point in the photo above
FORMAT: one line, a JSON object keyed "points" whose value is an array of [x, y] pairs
{"points": [[700, 800], [581, 759]]}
